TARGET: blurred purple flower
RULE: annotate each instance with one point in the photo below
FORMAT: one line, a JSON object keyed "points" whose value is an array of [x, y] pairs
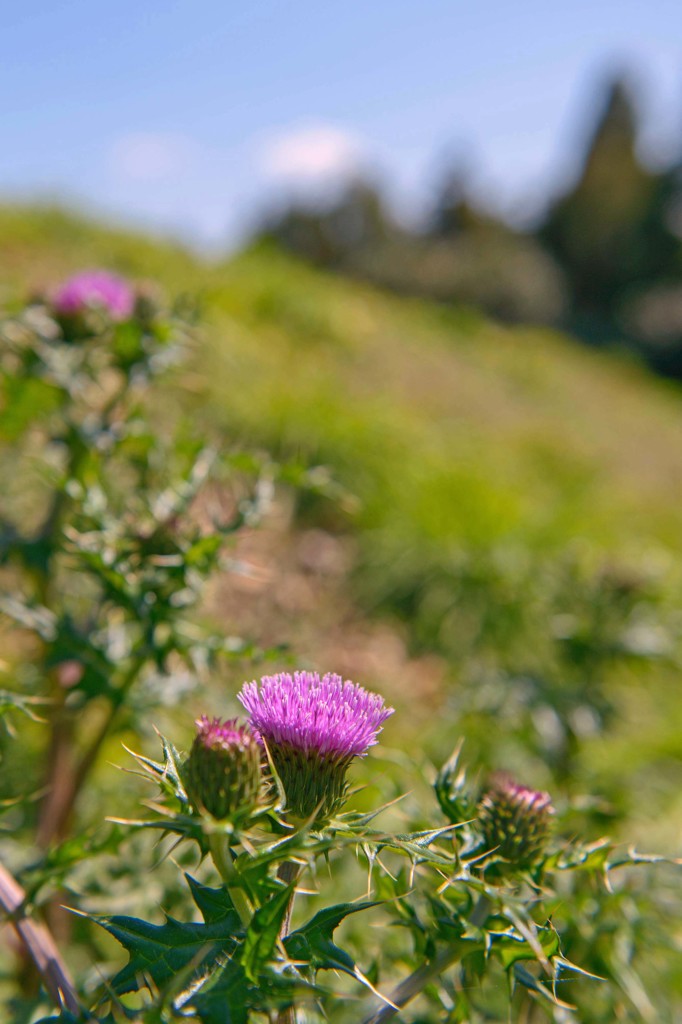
{"points": [[95, 289], [313, 728]]}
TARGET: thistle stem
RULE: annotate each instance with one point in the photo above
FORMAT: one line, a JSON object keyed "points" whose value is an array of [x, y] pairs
{"points": [[288, 872], [67, 778], [39, 945], [408, 989], [223, 862]]}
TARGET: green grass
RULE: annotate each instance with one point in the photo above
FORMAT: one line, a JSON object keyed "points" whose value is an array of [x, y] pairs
{"points": [[448, 428]]}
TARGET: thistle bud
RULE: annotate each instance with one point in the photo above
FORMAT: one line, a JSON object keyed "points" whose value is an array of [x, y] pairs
{"points": [[222, 772], [314, 727], [514, 821]]}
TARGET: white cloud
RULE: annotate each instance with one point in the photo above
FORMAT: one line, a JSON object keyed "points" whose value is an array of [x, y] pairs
{"points": [[151, 156], [311, 154]]}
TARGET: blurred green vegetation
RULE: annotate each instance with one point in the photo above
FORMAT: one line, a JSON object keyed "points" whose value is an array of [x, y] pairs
{"points": [[512, 500], [601, 259]]}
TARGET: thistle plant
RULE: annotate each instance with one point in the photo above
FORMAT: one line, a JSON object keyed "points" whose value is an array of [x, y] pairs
{"points": [[245, 962], [313, 729], [465, 922], [111, 559], [105, 562]]}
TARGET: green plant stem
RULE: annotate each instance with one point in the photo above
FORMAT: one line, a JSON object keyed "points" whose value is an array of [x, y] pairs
{"points": [[408, 989], [222, 859], [67, 780], [288, 872], [89, 758], [56, 808]]}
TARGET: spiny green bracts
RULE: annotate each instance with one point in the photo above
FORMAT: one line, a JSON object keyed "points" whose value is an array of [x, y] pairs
{"points": [[515, 821], [313, 784], [222, 772]]}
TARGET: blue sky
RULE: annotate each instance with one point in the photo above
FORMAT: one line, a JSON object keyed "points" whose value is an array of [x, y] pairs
{"points": [[189, 115]]}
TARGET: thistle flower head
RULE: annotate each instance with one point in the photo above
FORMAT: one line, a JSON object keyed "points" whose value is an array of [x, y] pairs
{"points": [[95, 289], [222, 772], [313, 728], [515, 821]]}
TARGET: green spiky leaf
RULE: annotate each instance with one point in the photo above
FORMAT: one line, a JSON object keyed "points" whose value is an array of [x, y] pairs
{"points": [[511, 947], [263, 930], [157, 953], [313, 943], [221, 996]]}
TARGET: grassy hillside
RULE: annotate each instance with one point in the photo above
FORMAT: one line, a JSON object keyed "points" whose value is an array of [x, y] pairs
{"points": [[513, 496], [448, 427]]}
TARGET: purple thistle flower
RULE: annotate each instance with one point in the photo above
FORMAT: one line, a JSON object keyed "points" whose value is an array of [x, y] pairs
{"points": [[515, 821], [222, 773], [95, 289], [327, 716], [313, 728]]}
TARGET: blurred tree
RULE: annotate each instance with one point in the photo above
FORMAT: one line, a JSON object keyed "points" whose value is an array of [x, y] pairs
{"points": [[609, 250], [452, 212], [465, 256], [330, 236], [611, 231], [470, 256]]}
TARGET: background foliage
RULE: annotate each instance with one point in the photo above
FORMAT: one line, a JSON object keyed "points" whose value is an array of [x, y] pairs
{"points": [[481, 522], [602, 259]]}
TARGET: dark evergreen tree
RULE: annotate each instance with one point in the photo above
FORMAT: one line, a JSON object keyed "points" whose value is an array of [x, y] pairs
{"points": [[333, 236], [451, 210], [610, 232]]}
